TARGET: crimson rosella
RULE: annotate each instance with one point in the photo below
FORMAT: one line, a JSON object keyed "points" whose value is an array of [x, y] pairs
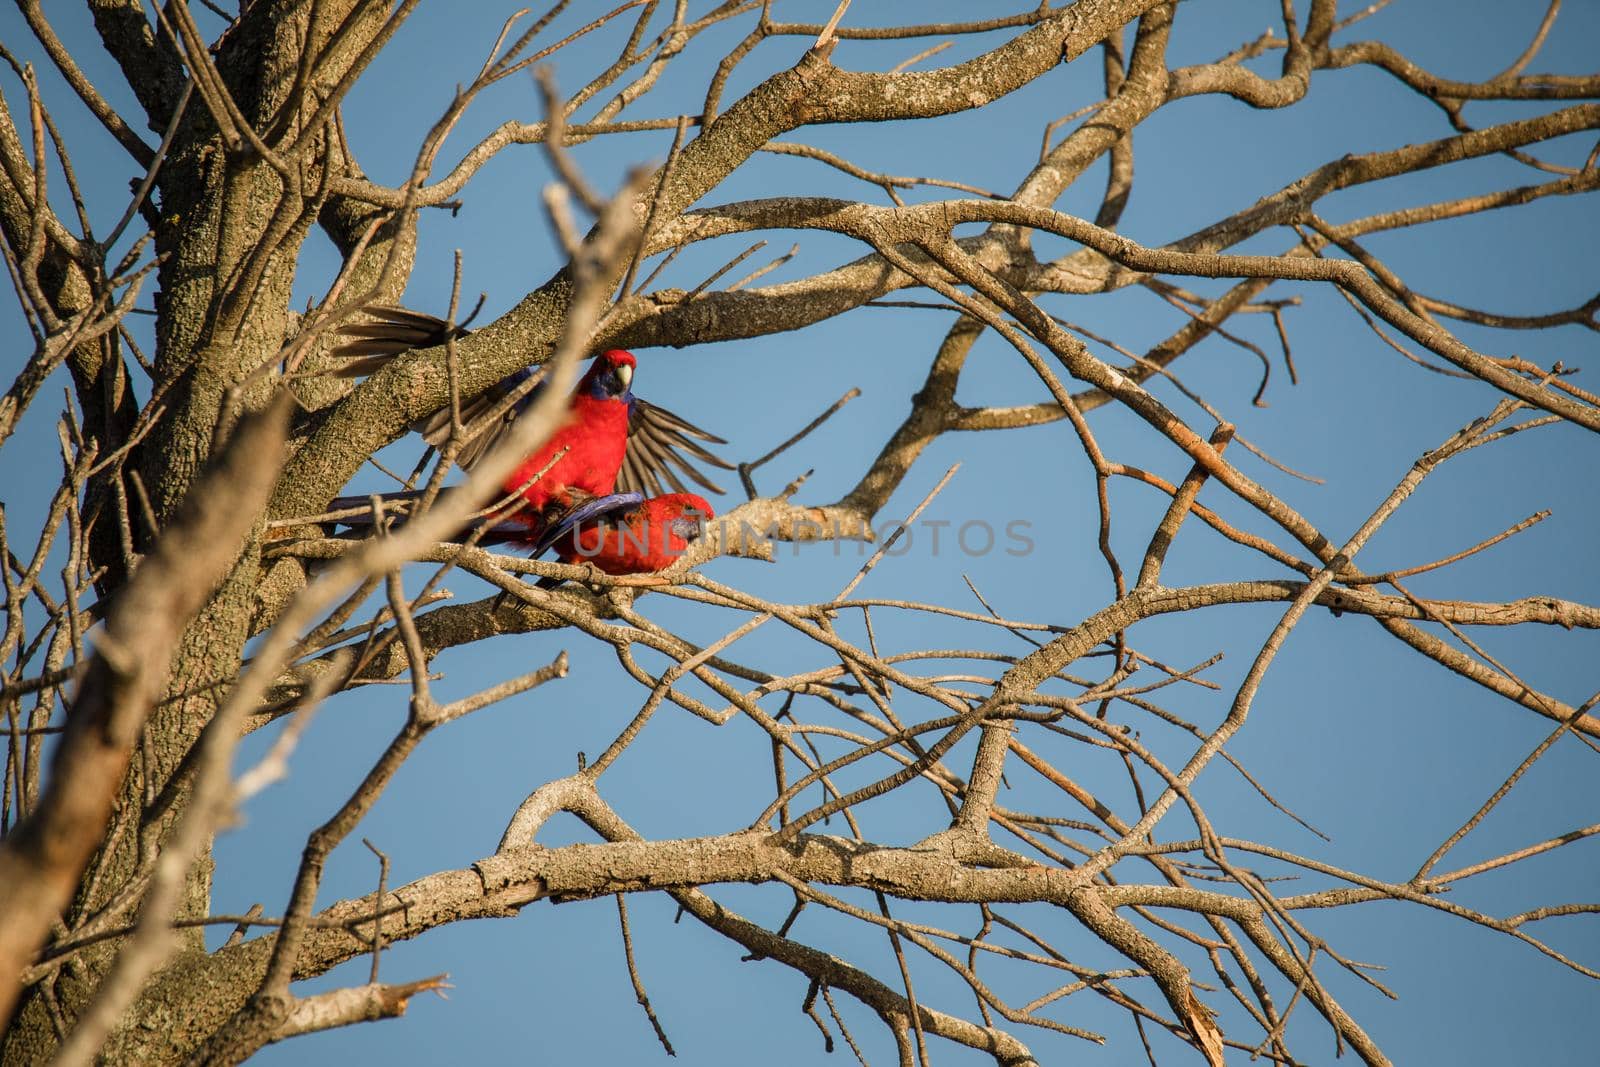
{"points": [[613, 440], [619, 535]]}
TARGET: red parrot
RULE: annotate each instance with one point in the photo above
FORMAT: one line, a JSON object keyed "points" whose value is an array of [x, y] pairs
{"points": [[591, 443], [620, 533], [632, 538], [614, 441]]}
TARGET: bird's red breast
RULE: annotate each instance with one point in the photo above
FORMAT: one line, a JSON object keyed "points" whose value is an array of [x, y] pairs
{"points": [[590, 443]]}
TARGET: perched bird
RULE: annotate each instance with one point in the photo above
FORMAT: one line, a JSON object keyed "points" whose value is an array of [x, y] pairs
{"points": [[565, 510], [613, 441], [619, 533], [583, 492], [629, 537]]}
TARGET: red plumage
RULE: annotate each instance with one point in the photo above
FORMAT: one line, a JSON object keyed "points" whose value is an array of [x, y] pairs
{"points": [[649, 537], [594, 435]]}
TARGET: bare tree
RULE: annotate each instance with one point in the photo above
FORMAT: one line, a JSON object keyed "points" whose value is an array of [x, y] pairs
{"points": [[204, 594]]}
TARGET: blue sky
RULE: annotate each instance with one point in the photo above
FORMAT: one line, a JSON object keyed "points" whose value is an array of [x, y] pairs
{"points": [[1384, 752]]}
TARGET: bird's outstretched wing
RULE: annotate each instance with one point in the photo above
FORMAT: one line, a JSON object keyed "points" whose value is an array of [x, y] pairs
{"points": [[387, 332], [661, 445], [486, 417], [391, 331], [659, 441]]}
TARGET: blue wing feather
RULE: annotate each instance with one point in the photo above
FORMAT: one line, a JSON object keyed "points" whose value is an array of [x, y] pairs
{"points": [[591, 510]]}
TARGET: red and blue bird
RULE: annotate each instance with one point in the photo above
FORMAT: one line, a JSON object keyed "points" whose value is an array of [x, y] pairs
{"points": [[595, 491]]}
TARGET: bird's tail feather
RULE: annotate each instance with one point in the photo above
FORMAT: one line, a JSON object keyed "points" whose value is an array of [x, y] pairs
{"points": [[357, 513]]}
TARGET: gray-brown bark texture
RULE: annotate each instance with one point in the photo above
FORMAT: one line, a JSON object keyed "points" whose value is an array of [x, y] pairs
{"points": [[191, 516]]}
